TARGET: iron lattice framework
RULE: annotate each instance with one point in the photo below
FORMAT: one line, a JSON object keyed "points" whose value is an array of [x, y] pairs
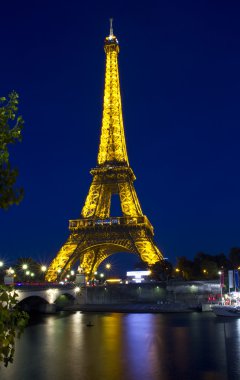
{"points": [[97, 235]]}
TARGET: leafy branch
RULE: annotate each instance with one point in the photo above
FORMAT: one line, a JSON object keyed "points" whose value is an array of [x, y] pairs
{"points": [[12, 323]]}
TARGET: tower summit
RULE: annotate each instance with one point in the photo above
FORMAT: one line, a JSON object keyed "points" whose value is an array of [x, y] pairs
{"points": [[112, 148], [97, 234]]}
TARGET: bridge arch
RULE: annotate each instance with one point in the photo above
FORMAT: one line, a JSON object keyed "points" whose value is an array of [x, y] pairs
{"points": [[32, 303]]}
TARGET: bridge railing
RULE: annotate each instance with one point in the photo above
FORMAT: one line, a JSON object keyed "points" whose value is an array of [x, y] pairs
{"points": [[43, 286]]}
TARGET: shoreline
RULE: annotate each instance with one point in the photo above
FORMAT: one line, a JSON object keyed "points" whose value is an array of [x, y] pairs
{"points": [[133, 308]]}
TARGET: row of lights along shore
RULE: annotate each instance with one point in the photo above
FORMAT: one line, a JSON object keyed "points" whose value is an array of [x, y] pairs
{"points": [[25, 268]]}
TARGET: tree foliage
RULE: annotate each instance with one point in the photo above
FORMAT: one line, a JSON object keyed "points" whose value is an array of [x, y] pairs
{"points": [[10, 132], [162, 270], [205, 266], [234, 257], [32, 267], [12, 323]]}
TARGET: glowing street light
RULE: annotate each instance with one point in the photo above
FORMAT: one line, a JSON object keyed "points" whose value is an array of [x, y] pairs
{"points": [[72, 272], [220, 278], [43, 268], [24, 266], [77, 289], [108, 266], [1, 264]]}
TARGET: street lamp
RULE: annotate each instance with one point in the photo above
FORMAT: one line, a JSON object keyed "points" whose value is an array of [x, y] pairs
{"points": [[101, 276], [1, 264], [24, 266], [108, 268], [220, 278], [43, 268]]}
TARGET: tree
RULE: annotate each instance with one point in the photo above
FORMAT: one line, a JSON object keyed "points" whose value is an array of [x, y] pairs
{"points": [[162, 270], [12, 323], [27, 269], [186, 268], [206, 266], [10, 132], [234, 257]]}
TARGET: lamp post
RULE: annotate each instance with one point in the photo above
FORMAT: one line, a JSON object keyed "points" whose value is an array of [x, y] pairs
{"points": [[43, 271], [43, 268], [108, 267], [220, 279], [1, 271]]}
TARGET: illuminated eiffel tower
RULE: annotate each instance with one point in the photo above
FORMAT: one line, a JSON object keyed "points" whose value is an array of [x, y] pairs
{"points": [[97, 234]]}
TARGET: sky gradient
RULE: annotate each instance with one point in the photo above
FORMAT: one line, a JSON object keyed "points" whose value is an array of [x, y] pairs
{"points": [[180, 83]]}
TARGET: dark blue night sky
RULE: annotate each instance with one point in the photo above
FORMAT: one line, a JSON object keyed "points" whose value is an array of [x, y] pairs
{"points": [[180, 80]]}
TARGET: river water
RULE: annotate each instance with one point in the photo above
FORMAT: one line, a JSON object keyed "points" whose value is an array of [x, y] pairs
{"points": [[186, 346]]}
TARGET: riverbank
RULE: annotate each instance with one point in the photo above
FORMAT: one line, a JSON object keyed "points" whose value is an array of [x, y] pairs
{"points": [[133, 308]]}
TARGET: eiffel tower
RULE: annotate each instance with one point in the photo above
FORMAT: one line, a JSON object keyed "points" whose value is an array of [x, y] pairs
{"points": [[96, 234]]}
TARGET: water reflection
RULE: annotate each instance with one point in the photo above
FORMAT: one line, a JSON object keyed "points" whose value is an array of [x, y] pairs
{"points": [[128, 346]]}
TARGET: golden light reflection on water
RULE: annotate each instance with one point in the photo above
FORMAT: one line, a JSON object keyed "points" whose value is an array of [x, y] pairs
{"points": [[128, 347]]}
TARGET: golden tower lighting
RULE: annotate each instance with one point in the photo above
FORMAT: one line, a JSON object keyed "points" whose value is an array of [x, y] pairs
{"points": [[96, 234]]}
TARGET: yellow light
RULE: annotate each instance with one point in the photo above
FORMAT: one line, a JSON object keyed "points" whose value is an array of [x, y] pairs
{"points": [[114, 280], [24, 266], [177, 270], [43, 268], [52, 295], [108, 266]]}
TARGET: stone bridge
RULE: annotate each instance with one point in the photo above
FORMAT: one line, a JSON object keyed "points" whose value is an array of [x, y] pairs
{"points": [[45, 298]]}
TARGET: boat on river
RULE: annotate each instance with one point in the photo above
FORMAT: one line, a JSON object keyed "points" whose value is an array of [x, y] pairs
{"points": [[226, 311]]}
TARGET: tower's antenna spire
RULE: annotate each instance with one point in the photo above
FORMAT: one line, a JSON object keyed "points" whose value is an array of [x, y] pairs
{"points": [[111, 27]]}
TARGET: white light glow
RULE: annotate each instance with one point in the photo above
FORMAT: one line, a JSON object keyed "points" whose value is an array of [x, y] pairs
{"points": [[139, 274], [52, 295]]}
